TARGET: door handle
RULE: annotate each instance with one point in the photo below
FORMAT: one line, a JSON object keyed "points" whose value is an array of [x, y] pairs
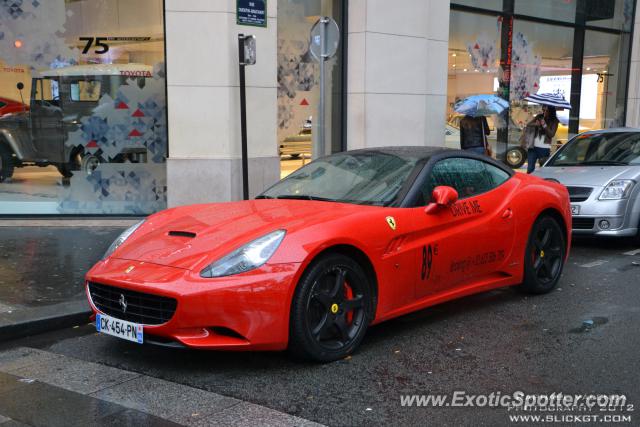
{"points": [[507, 214]]}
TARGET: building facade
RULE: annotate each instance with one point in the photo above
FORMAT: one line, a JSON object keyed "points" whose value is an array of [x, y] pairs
{"points": [[114, 107]]}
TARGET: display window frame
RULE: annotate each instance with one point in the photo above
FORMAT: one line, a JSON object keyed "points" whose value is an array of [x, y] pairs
{"points": [[66, 99], [580, 26]]}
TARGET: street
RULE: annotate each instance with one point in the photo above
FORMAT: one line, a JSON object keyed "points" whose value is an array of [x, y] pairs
{"points": [[581, 338]]}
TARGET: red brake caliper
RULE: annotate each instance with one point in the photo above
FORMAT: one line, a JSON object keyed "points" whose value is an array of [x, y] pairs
{"points": [[348, 296]]}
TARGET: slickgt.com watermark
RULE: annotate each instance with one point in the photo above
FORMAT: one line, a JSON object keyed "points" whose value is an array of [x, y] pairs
{"points": [[532, 408]]}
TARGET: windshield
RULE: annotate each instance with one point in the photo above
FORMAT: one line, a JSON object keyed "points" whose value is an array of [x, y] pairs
{"points": [[367, 178], [600, 149]]}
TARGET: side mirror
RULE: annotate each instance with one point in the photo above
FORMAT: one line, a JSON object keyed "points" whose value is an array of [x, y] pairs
{"points": [[20, 86], [442, 197]]}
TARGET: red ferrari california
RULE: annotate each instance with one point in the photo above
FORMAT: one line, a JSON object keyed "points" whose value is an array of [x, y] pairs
{"points": [[347, 241]]}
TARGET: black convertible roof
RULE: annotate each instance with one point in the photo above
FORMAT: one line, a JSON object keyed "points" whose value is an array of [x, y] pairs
{"points": [[405, 152], [421, 154]]}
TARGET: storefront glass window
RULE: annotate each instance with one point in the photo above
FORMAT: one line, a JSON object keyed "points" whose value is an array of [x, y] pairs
{"points": [[603, 82], [83, 129], [542, 56], [299, 83], [615, 14], [474, 55], [558, 10], [535, 44], [485, 4]]}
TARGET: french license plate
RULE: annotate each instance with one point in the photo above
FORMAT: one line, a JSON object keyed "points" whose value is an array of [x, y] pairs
{"points": [[119, 328], [575, 209]]}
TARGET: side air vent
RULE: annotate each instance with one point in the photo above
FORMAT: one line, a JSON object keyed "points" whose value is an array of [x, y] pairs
{"points": [[188, 234], [394, 245]]}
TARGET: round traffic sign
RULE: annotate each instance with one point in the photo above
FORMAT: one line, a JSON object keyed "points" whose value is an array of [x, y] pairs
{"points": [[329, 27]]}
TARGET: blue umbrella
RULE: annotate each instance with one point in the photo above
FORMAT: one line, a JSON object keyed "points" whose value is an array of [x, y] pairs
{"points": [[481, 105]]}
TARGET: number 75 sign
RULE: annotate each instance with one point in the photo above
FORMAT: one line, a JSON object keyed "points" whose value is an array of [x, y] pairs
{"points": [[100, 45], [98, 42]]}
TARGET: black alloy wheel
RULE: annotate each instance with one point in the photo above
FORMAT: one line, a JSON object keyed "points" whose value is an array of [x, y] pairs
{"points": [[331, 310], [544, 256]]}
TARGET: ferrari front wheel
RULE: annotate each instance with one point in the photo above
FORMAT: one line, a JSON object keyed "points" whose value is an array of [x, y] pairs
{"points": [[331, 309], [544, 256]]}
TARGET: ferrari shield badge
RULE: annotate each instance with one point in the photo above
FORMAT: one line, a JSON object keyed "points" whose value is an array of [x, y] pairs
{"points": [[129, 269], [392, 222]]}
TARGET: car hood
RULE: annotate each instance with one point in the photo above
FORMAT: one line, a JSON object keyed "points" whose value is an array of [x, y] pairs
{"points": [[593, 176], [193, 236]]}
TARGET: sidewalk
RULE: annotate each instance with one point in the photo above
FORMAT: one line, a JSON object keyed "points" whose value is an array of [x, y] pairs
{"points": [[40, 388], [42, 268]]}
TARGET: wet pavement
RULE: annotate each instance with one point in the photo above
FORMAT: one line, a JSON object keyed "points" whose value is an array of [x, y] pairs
{"points": [[41, 388], [46, 265], [581, 338], [67, 408], [42, 272]]}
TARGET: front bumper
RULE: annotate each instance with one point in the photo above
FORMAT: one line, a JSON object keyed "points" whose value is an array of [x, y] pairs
{"points": [[604, 218], [245, 311], [596, 229]]}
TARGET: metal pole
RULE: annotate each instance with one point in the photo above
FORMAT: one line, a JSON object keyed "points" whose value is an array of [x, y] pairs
{"points": [[243, 120], [577, 62], [319, 149]]}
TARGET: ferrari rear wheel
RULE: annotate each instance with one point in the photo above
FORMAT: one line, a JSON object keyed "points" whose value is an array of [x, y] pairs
{"points": [[331, 309], [544, 256]]}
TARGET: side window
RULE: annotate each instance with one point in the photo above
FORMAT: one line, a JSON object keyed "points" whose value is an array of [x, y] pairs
{"points": [[50, 90], [45, 90], [85, 90], [497, 175], [469, 177]]}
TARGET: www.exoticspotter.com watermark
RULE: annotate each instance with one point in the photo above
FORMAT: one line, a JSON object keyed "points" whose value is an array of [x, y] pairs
{"points": [[519, 400]]}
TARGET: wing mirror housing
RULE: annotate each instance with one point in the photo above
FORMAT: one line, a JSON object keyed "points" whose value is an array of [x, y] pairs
{"points": [[441, 197]]}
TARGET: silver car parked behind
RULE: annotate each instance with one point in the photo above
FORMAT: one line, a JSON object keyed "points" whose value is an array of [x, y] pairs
{"points": [[601, 170]]}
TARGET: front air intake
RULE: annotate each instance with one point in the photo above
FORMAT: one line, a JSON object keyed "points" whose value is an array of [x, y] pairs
{"points": [[133, 306]]}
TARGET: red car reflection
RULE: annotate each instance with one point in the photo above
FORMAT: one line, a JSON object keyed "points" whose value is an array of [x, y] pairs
{"points": [[8, 106]]}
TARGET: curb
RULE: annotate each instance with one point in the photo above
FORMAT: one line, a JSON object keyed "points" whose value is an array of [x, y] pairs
{"points": [[45, 324], [57, 317]]}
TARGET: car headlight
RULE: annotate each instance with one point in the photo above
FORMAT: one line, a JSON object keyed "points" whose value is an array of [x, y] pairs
{"points": [[617, 189], [250, 256], [121, 238]]}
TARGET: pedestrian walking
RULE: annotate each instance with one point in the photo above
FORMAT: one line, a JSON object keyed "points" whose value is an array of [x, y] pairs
{"points": [[474, 128], [537, 136]]}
